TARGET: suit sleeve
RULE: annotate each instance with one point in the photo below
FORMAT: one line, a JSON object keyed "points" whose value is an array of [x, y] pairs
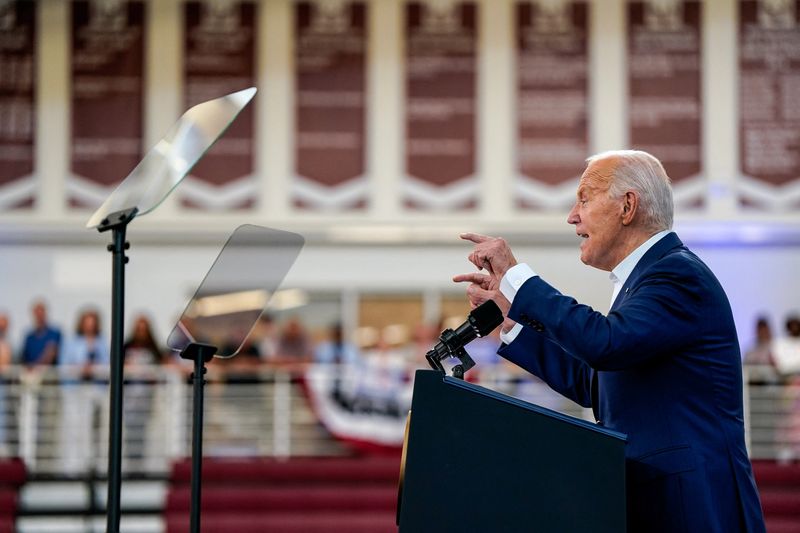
{"points": [[661, 315], [566, 375]]}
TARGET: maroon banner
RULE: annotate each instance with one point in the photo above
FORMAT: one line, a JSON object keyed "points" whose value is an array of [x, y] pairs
{"points": [[107, 97], [665, 92], [220, 59], [17, 118], [769, 112], [330, 56], [441, 44], [552, 101]]}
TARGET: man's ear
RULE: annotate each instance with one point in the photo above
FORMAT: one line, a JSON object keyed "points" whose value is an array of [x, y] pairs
{"points": [[630, 202]]}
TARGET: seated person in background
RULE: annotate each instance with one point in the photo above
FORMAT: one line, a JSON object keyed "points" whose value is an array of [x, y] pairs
{"points": [[344, 358], [266, 337], [142, 358], [786, 350], [5, 346], [761, 352], [140, 349], [294, 344], [81, 358], [86, 350], [336, 349], [242, 367], [759, 359], [42, 342]]}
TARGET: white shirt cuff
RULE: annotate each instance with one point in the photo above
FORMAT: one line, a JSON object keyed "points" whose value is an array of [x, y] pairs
{"points": [[514, 278], [509, 337]]}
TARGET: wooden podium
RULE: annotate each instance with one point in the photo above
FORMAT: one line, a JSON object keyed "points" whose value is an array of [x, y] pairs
{"points": [[478, 461]]}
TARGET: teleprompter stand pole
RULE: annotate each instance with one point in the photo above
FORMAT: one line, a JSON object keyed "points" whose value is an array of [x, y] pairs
{"points": [[200, 354], [117, 223]]}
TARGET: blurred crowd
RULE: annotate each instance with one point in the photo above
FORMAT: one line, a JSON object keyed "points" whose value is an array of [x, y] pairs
{"points": [[379, 363], [84, 351], [774, 359], [775, 355]]}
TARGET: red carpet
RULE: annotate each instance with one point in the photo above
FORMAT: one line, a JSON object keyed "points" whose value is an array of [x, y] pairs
{"points": [[357, 495], [12, 476], [779, 486]]}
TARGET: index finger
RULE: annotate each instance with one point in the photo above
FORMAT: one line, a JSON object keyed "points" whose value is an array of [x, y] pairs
{"points": [[475, 237], [472, 277]]}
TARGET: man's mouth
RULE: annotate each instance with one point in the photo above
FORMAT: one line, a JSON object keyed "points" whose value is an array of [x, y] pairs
{"points": [[583, 235]]}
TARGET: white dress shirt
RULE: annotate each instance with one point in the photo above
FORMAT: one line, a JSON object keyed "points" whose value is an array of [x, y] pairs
{"points": [[521, 272]]}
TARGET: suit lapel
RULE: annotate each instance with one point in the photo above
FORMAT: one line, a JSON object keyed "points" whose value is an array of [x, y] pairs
{"points": [[659, 250]]}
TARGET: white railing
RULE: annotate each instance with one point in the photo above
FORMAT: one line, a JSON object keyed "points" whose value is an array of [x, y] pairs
{"points": [[58, 423], [773, 414]]}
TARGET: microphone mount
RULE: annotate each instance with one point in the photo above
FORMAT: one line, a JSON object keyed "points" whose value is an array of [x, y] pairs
{"points": [[443, 350]]}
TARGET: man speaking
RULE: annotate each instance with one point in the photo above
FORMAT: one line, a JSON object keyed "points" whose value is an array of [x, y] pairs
{"points": [[663, 366]]}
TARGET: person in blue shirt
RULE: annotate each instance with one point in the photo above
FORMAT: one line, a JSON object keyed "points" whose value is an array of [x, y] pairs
{"points": [[345, 361], [83, 368], [42, 342], [336, 349]]}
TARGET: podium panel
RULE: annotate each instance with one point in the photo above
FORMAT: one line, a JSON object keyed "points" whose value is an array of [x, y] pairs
{"points": [[477, 461]]}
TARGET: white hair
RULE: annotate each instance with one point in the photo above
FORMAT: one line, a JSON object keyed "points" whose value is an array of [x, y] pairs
{"points": [[641, 172]]}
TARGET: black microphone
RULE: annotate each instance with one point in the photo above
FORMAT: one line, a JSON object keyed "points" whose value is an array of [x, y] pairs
{"points": [[480, 322]]}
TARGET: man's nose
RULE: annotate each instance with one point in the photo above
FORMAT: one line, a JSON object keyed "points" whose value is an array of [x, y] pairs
{"points": [[573, 217]]}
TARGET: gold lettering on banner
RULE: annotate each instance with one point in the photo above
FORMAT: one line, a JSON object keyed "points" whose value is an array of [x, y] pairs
{"points": [[552, 16], [440, 17], [663, 15], [329, 17], [107, 15], [219, 16], [777, 14]]}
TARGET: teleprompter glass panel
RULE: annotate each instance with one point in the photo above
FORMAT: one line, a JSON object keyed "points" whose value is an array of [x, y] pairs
{"points": [[171, 159], [238, 287]]}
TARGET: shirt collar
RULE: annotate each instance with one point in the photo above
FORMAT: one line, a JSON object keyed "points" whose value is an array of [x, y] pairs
{"points": [[621, 272]]}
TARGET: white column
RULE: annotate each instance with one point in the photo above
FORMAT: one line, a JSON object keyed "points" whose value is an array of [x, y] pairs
{"points": [[282, 415], [385, 106], [349, 312], [720, 106], [431, 306], [608, 85], [52, 107], [275, 106], [497, 107], [163, 100]]}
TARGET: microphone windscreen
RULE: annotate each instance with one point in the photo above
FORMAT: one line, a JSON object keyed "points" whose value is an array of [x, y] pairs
{"points": [[486, 317]]}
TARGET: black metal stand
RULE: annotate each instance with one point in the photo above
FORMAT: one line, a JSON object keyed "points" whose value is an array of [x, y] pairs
{"points": [[117, 223], [200, 354]]}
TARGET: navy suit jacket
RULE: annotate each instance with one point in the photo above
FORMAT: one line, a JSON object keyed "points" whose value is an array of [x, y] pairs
{"points": [[664, 367]]}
